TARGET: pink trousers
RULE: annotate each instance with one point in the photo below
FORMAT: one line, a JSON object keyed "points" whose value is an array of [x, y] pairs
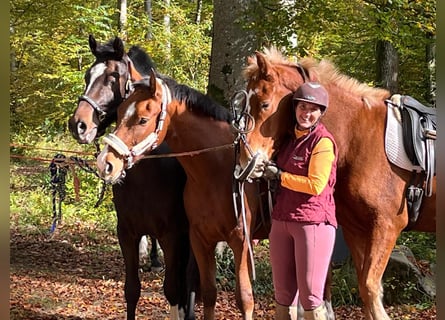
{"points": [[300, 254]]}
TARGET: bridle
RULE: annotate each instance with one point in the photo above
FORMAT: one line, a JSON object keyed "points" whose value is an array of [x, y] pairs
{"points": [[148, 143], [101, 114], [243, 123]]}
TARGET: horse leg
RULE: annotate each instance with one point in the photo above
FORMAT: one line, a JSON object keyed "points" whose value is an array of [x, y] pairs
{"points": [[156, 264], [193, 292], [370, 263], [205, 258], [143, 245], [243, 289], [380, 248], [176, 249], [130, 252]]}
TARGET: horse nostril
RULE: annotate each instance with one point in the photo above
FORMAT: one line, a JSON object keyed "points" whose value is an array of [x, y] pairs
{"points": [[81, 127]]}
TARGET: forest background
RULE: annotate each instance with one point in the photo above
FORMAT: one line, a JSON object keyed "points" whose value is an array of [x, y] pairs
{"points": [[203, 44]]}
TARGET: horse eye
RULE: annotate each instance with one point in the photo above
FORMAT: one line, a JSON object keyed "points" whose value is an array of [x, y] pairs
{"points": [[264, 105], [143, 120], [111, 80]]}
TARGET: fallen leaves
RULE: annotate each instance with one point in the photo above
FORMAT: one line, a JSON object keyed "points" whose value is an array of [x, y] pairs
{"points": [[69, 277]]}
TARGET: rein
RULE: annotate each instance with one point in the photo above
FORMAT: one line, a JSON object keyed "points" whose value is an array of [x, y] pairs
{"points": [[244, 123]]}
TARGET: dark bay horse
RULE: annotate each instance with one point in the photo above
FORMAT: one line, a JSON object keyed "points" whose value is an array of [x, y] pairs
{"points": [[189, 121], [370, 191], [158, 182], [96, 109]]}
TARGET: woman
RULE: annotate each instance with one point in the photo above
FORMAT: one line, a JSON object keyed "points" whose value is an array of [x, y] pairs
{"points": [[303, 228]]}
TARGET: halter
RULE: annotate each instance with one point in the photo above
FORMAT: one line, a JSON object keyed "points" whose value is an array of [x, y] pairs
{"points": [[101, 114], [150, 142]]}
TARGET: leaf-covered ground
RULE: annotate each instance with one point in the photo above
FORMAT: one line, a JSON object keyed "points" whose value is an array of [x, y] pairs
{"points": [[78, 274]]}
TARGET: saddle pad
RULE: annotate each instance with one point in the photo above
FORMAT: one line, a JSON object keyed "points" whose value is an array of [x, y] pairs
{"points": [[394, 148]]}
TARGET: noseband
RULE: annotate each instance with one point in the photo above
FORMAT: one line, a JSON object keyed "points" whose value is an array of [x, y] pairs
{"points": [[150, 142]]}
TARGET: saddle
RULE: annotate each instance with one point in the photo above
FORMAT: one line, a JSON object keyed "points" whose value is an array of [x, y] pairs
{"points": [[419, 139]]}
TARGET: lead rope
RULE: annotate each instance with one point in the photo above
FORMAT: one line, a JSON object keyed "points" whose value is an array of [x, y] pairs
{"points": [[58, 171], [83, 164]]}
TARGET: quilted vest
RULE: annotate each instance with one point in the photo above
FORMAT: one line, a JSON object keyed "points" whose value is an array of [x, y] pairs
{"points": [[291, 205]]}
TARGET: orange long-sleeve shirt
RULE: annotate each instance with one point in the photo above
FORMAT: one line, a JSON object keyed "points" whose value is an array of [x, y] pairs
{"points": [[320, 166]]}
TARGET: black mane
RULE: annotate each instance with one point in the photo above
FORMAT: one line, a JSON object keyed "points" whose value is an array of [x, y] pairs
{"points": [[200, 103], [141, 60], [195, 101]]}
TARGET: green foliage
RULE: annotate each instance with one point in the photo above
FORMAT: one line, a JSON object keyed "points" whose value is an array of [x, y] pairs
{"points": [[50, 53], [47, 47], [182, 51], [225, 268], [422, 244], [344, 285], [31, 191], [347, 31]]}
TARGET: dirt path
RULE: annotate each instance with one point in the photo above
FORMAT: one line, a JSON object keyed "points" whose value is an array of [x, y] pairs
{"points": [[79, 275]]}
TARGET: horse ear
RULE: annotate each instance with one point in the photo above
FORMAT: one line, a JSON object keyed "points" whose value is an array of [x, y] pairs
{"points": [[118, 46], [250, 60], [152, 81], [93, 44], [134, 74], [263, 65]]}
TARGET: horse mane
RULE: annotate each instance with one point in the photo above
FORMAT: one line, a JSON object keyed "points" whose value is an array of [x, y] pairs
{"points": [[323, 71], [198, 102], [141, 60], [195, 101]]}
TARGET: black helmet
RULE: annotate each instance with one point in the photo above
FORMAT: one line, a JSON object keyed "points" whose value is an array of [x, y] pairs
{"points": [[312, 92]]}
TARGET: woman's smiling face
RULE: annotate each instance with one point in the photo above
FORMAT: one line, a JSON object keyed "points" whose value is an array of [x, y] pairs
{"points": [[307, 114]]}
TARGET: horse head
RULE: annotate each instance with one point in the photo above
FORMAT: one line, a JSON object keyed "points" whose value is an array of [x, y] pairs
{"points": [[268, 110], [140, 122], [107, 84]]}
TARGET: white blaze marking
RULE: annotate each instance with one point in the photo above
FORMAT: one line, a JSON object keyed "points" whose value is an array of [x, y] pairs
{"points": [[95, 72], [131, 110]]}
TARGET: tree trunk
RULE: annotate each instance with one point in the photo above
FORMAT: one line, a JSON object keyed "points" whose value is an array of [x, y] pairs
{"points": [[148, 35], [167, 27], [198, 11], [231, 44], [123, 18], [387, 66], [431, 64]]}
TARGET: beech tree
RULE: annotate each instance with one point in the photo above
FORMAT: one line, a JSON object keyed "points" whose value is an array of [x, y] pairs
{"points": [[232, 42]]}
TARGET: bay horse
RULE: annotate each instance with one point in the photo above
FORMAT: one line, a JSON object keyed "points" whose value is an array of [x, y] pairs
{"points": [[370, 191], [158, 109], [161, 109], [158, 181]]}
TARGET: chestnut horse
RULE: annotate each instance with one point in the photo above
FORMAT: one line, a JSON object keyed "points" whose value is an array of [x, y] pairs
{"points": [[370, 191], [190, 121], [158, 181], [213, 213]]}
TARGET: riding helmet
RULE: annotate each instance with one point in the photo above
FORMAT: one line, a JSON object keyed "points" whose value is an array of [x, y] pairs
{"points": [[312, 92]]}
